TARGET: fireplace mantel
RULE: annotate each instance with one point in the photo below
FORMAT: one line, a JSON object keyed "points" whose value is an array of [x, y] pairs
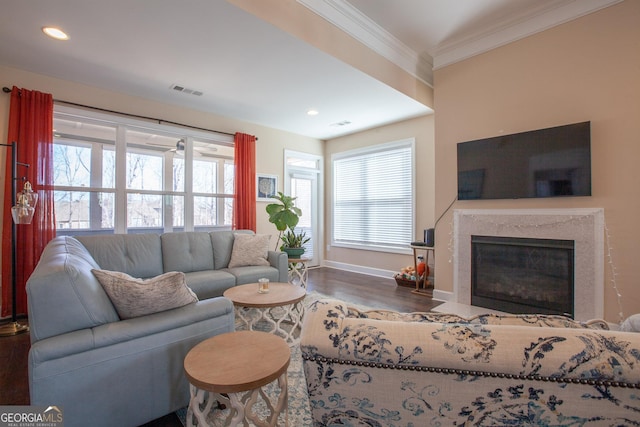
{"points": [[585, 226]]}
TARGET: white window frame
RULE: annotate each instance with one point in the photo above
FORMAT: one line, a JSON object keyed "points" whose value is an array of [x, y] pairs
{"points": [[402, 247], [122, 125]]}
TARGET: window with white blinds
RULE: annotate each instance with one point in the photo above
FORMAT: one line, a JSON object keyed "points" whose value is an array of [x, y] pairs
{"points": [[373, 204]]}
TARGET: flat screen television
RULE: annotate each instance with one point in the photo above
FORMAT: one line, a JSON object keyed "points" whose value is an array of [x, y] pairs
{"points": [[552, 162]]}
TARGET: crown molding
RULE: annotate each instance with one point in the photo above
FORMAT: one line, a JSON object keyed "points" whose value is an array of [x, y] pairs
{"points": [[350, 20], [515, 29], [353, 22]]}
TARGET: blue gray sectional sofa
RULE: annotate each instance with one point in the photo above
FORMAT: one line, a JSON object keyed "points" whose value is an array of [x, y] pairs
{"points": [[105, 371]]}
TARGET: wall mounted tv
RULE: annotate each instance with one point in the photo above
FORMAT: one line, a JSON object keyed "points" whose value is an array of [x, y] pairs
{"points": [[551, 162]]}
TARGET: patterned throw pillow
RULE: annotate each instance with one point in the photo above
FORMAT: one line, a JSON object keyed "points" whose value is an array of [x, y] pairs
{"points": [[138, 297], [249, 249]]}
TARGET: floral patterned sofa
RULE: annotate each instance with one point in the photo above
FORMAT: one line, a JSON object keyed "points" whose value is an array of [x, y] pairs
{"points": [[382, 368]]}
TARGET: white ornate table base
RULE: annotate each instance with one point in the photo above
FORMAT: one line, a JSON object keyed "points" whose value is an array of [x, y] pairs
{"points": [[240, 407], [284, 321], [298, 272]]}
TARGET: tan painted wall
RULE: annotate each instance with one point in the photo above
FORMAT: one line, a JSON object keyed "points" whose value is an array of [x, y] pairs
{"points": [[269, 148], [422, 130], [586, 69]]}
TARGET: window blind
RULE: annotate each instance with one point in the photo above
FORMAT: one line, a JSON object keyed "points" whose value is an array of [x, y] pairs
{"points": [[373, 196]]}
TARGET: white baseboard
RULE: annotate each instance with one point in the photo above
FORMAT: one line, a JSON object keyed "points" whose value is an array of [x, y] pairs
{"points": [[378, 272]]}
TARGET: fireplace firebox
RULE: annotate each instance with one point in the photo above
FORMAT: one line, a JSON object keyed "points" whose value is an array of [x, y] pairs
{"points": [[523, 275]]}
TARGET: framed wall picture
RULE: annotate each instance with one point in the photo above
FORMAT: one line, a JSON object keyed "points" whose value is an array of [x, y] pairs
{"points": [[266, 187]]}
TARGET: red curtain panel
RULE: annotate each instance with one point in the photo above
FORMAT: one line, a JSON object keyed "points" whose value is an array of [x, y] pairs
{"points": [[31, 127], [244, 206]]}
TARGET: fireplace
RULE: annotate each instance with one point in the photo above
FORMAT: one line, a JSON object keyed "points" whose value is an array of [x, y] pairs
{"points": [[522, 275], [584, 226]]}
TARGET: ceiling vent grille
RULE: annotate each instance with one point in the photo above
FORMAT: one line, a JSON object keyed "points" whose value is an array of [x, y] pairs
{"points": [[340, 124], [188, 91]]}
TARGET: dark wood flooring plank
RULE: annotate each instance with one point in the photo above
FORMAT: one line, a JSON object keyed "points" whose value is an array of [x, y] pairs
{"points": [[363, 289], [14, 384]]}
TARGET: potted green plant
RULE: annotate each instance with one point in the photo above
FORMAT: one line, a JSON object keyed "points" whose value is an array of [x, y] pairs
{"points": [[293, 243], [285, 216]]}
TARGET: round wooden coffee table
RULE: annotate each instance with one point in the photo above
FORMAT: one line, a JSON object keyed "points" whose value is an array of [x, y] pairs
{"points": [[279, 311], [231, 369]]}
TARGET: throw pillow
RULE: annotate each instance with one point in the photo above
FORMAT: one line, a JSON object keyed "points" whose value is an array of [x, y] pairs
{"points": [[249, 249], [631, 324], [138, 297]]}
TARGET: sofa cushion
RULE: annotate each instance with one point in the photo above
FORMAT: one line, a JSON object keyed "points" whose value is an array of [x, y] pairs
{"points": [[187, 251], [139, 255], [222, 242], [251, 274], [210, 283], [138, 297], [249, 250]]}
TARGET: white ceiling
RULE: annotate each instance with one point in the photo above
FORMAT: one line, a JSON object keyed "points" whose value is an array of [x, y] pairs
{"points": [[250, 70]]}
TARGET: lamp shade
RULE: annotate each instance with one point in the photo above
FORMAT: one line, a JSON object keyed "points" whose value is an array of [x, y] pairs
{"points": [[25, 207], [22, 214]]}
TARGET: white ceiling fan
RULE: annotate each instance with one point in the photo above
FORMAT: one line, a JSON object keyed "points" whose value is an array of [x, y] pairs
{"points": [[199, 148]]}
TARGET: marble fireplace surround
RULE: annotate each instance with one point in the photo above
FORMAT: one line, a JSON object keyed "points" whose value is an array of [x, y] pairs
{"points": [[583, 225]]}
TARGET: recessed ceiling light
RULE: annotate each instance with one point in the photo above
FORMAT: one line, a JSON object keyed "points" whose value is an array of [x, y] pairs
{"points": [[55, 33], [313, 112]]}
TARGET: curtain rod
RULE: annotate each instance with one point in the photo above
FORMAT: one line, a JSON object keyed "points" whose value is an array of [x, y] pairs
{"points": [[160, 121]]}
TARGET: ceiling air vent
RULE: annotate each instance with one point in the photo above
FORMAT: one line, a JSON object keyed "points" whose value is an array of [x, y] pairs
{"points": [[188, 91], [340, 124]]}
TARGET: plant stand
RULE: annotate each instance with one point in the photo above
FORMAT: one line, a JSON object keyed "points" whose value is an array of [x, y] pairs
{"points": [[427, 287], [298, 271]]}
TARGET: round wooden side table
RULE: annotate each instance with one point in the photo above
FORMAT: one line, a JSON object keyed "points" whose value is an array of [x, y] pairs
{"points": [[231, 369], [279, 311]]}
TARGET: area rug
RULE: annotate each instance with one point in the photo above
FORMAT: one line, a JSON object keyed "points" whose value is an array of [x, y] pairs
{"points": [[299, 412], [315, 296]]}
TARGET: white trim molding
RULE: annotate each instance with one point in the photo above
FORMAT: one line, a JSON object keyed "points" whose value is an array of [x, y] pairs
{"points": [[473, 42], [362, 269], [516, 28], [359, 26]]}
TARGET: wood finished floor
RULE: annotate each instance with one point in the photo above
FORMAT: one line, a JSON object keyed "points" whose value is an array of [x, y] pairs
{"points": [[371, 291], [375, 292]]}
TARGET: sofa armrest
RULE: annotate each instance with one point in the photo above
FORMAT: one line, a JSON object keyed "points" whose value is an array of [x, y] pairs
{"points": [[556, 353], [63, 294], [131, 329], [279, 260]]}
